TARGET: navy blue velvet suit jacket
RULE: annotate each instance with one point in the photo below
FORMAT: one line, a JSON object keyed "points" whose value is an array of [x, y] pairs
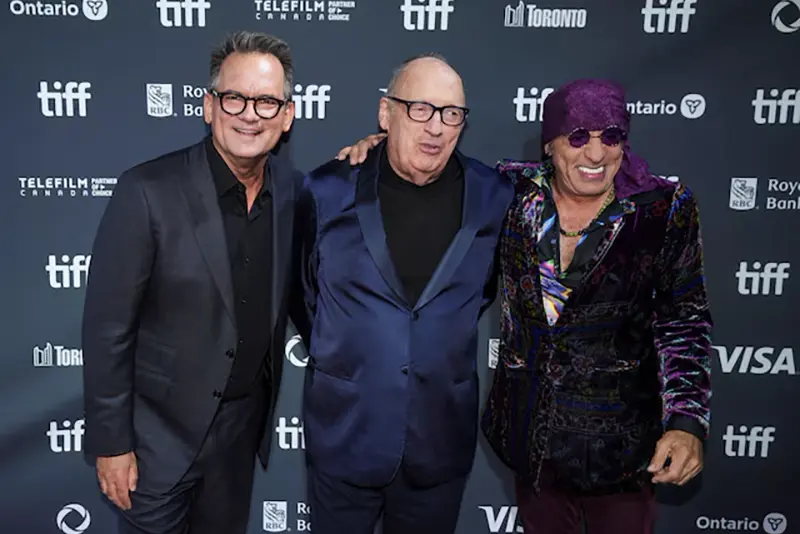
{"points": [[388, 380]]}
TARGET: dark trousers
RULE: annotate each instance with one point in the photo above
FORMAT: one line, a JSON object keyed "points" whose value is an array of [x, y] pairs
{"points": [[213, 496], [340, 508], [552, 511]]}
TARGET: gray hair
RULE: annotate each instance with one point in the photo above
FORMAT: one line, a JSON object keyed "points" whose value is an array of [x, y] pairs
{"points": [[398, 72], [253, 42]]}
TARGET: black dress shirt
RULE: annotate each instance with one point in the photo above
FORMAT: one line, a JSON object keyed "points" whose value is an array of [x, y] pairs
{"points": [[420, 222], [249, 241]]}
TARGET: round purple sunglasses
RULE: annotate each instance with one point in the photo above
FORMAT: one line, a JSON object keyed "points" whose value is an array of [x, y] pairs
{"points": [[611, 136]]}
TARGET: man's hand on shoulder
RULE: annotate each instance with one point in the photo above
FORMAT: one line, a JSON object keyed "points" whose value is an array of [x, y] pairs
{"points": [[118, 476], [685, 452], [358, 152]]}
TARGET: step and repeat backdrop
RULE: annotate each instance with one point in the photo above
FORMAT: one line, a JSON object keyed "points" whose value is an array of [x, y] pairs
{"points": [[92, 87]]}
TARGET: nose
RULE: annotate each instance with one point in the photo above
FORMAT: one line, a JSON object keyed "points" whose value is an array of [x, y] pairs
{"points": [[435, 126], [249, 114], [595, 150]]}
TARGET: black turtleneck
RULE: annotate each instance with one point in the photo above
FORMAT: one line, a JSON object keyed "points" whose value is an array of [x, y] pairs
{"points": [[420, 222]]}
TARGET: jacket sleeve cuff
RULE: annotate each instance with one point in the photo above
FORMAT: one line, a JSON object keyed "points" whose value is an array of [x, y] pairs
{"points": [[687, 424]]}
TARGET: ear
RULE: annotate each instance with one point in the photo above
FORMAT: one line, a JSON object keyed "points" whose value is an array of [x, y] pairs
{"points": [[548, 149], [288, 116], [208, 107], [383, 114]]}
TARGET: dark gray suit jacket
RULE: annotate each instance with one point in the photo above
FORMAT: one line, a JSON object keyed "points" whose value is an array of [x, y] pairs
{"points": [[158, 323]]}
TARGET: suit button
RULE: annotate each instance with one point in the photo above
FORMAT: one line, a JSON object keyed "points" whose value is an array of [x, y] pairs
{"points": [[217, 394], [415, 316], [405, 370], [229, 353]]}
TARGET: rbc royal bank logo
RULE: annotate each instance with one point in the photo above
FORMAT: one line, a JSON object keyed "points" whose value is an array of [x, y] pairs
{"points": [[275, 516], [743, 193], [73, 519], [159, 99]]}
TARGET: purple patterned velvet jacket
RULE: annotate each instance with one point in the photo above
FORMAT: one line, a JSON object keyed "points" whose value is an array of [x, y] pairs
{"points": [[628, 357]]}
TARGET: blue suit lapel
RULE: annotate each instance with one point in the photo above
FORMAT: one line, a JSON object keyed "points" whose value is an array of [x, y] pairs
{"points": [[470, 222], [369, 217]]}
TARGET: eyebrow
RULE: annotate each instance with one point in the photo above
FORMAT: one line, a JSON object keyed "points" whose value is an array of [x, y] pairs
{"points": [[263, 95]]}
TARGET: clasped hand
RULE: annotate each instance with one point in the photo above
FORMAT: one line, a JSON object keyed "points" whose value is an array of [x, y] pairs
{"points": [[686, 458]]}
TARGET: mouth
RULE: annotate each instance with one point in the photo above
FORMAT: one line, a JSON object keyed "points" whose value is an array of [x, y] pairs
{"points": [[249, 132], [592, 173], [430, 149]]}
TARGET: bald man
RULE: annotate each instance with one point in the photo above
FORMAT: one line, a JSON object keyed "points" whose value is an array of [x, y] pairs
{"points": [[397, 258]]}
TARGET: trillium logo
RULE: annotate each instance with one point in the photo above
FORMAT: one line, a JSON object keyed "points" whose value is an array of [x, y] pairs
{"points": [[775, 523], [693, 106]]}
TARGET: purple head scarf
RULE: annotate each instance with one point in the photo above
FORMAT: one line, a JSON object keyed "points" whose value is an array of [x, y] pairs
{"points": [[595, 105]]}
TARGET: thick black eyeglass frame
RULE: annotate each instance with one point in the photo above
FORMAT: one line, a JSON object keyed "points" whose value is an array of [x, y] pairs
{"points": [[223, 94], [434, 109]]}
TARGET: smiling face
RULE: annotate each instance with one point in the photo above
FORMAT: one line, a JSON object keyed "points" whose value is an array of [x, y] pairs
{"points": [[586, 171], [247, 138], [419, 151]]}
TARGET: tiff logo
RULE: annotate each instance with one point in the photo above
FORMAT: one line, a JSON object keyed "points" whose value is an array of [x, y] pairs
{"points": [[746, 443], [69, 273], [530, 108], [758, 280], [178, 13], [311, 103], [424, 16], [61, 101], [290, 436], [68, 438], [665, 19], [775, 110]]}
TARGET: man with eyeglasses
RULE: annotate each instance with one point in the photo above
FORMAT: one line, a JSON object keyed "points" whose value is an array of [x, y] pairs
{"points": [[397, 258], [186, 307], [602, 385]]}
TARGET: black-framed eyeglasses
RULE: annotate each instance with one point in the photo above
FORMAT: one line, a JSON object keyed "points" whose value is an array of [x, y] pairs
{"points": [[423, 111], [233, 103], [611, 136]]}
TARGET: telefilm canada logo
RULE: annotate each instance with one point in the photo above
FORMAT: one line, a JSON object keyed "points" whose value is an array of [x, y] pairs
{"points": [[66, 186], [93, 10], [305, 10]]}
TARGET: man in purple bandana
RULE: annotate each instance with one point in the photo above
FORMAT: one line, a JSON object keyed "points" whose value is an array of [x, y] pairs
{"points": [[602, 386]]}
